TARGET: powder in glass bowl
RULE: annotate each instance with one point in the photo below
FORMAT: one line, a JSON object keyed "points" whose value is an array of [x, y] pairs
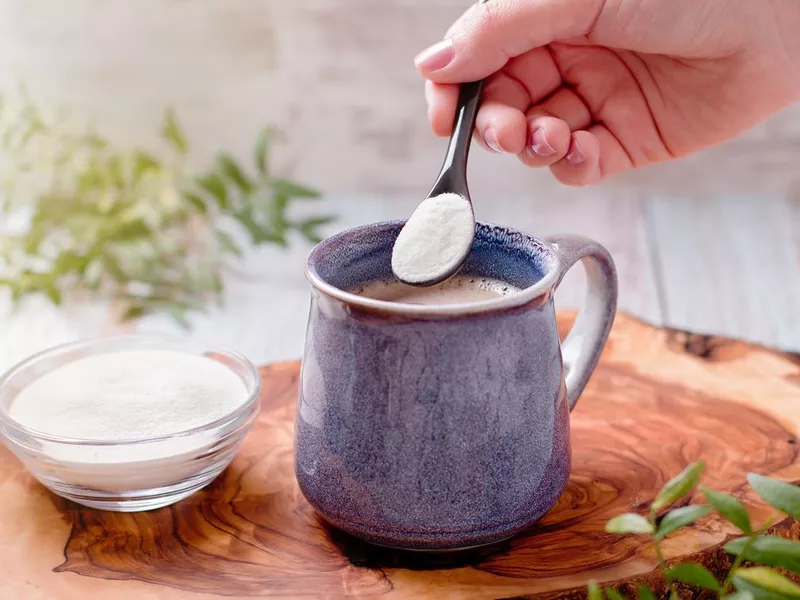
{"points": [[129, 395]]}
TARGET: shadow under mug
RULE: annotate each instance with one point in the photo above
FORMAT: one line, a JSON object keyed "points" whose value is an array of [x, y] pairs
{"points": [[439, 427]]}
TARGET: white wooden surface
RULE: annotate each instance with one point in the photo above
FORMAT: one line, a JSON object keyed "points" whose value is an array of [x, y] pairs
{"points": [[710, 244], [730, 265]]}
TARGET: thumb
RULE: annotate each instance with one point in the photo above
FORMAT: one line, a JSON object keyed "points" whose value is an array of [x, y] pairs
{"points": [[488, 35]]}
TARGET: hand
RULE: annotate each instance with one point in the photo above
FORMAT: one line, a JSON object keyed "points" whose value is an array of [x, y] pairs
{"points": [[591, 88]]}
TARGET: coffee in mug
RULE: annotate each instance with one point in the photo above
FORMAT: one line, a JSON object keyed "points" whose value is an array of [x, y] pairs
{"points": [[460, 289]]}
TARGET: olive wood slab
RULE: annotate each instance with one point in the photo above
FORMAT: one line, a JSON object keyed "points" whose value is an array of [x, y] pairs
{"points": [[658, 400]]}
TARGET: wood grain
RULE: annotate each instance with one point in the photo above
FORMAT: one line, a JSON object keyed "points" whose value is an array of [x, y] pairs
{"points": [[658, 400]]}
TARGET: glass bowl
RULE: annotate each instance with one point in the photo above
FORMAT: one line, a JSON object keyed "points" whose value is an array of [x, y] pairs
{"points": [[127, 475]]}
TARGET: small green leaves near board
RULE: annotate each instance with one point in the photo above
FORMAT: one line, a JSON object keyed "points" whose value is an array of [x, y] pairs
{"points": [[760, 582], [680, 485], [693, 574], [680, 517], [629, 523]]}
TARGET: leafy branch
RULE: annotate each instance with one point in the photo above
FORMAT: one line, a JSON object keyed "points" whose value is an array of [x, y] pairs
{"points": [[129, 225], [769, 554]]}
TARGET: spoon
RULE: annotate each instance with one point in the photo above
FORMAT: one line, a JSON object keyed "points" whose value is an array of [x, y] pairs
{"points": [[437, 238]]}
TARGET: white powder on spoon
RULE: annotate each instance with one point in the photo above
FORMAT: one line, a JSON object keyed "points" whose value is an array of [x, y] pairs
{"points": [[434, 240]]}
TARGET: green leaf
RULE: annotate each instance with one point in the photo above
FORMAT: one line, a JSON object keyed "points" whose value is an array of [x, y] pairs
{"points": [[763, 582], [767, 550], [261, 152], [680, 517], [231, 169], [613, 594], [309, 227], [276, 213], [132, 230], [132, 312], [293, 190], [196, 201], [680, 485], [114, 268], [730, 508], [673, 595], [217, 287], [95, 142], [693, 574], [629, 523], [31, 282], [178, 312], [741, 595], [645, 593], [227, 244], [69, 261], [16, 291], [171, 131], [51, 291], [781, 495], [594, 591], [214, 185], [144, 163], [258, 233]]}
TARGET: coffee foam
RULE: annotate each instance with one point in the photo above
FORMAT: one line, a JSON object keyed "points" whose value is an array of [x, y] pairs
{"points": [[461, 289]]}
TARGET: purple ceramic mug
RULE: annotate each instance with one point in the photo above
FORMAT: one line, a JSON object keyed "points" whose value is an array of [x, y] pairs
{"points": [[436, 427]]}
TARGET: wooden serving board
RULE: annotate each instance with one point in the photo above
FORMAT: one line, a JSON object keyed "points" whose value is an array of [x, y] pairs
{"points": [[658, 400]]}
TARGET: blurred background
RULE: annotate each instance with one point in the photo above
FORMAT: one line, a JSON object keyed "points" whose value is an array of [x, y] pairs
{"points": [[710, 244]]}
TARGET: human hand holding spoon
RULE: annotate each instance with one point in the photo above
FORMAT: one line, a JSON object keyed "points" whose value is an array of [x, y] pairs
{"points": [[437, 238]]}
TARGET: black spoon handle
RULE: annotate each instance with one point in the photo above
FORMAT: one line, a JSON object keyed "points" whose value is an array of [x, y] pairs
{"points": [[453, 176]]}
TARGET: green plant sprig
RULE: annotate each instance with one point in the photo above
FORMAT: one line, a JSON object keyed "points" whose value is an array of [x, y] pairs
{"points": [[126, 224], [768, 553]]}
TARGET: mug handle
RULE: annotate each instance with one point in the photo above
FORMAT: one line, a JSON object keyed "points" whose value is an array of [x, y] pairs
{"points": [[582, 347]]}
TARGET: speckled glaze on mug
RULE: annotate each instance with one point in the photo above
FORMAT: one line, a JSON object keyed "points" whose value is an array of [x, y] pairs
{"points": [[444, 427]]}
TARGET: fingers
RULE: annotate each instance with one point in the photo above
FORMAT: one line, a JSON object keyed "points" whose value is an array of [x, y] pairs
{"points": [[526, 80], [442, 99], [613, 156], [581, 165], [548, 141], [550, 124], [566, 105], [500, 125], [501, 128], [557, 133], [486, 37], [536, 72], [579, 158], [561, 136]]}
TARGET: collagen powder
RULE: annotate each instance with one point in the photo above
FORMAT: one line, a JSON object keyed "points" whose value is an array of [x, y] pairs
{"points": [[129, 395], [434, 240]]}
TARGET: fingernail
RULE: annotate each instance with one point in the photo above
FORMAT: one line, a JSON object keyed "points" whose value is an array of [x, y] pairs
{"points": [[436, 57], [490, 139], [576, 156], [539, 144]]}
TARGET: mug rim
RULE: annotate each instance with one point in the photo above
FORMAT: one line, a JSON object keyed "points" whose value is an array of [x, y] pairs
{"points": [[520, 298]]}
